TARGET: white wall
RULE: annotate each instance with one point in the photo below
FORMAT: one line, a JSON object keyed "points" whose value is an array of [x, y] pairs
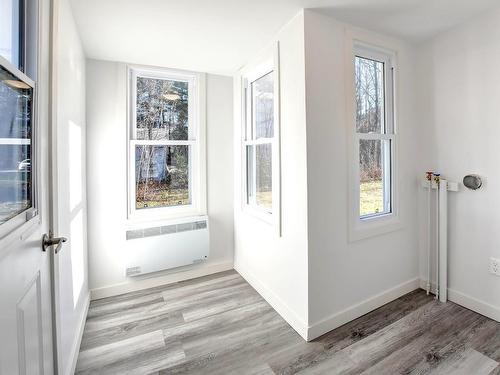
{"points": [[71, 215], [107, 180], [277, 266], [348, 278], [460, 83]]}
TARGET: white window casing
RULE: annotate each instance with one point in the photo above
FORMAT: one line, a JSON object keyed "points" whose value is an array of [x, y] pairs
{"points": [[368, 225], [196, 143], [249, 75]]}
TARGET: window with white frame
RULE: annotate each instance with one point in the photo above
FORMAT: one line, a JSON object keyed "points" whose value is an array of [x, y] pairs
{"points": [[166, 144], [259, 139], [18, 115], [374, 133]]}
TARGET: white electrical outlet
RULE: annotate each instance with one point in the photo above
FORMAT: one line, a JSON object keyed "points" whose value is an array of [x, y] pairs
{"points": [[495, 266]]}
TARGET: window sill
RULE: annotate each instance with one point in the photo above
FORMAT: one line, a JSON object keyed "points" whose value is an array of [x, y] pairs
{"points": [[165, 213], [361, 229]]}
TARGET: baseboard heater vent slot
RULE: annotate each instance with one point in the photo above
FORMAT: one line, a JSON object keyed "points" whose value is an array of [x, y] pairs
{"points": [[166, 229]]}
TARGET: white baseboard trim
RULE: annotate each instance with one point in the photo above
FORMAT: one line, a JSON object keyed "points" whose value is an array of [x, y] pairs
{"points": [[481, 307], [471, 303], [276, 302], [78, 341], [353, 312], [144, 283]]}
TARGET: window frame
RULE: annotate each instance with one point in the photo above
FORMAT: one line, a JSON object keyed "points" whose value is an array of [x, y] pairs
{"points": [[31, 213], [28, 71], [196, 142], [266, 65], [364, 226]]}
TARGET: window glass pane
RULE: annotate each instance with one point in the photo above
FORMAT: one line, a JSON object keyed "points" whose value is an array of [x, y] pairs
{"points": [[9, 31], [263, 106], [263, 176], [162, 109], [259, 175], [374, 173], [15, 146], [162, 176], [370, 106]]}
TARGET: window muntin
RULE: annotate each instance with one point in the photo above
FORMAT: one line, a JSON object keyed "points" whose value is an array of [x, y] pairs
{"points": [[165, 163], [16, 117], [374, 132], [259, 139]]}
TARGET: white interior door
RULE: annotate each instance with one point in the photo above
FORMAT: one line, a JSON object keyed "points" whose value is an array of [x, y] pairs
{"points": [[69, 203], [25, 293]]}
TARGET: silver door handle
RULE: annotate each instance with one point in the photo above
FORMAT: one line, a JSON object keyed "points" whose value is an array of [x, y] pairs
{"points": [[50, 240]]}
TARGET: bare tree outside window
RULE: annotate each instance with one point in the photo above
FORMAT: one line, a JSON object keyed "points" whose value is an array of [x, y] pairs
{"points": [[162, 168]]}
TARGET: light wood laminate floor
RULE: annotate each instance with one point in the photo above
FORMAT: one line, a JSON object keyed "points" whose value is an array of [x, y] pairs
{"points": [[219, 325]]}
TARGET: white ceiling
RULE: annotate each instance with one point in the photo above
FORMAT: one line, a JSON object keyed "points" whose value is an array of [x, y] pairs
{"points": [[219, 36]]}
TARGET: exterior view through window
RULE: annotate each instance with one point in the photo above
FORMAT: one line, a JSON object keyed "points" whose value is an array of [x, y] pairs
{"points": [[259, 142], [15, 146], [374, 132], [163, 142]]}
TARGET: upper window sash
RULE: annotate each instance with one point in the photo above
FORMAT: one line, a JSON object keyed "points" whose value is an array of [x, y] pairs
{"points": [[193, 115], [259, 72], [387, 59]]}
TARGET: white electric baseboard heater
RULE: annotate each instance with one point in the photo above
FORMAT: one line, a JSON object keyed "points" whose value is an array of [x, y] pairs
{"points": [[158, 248]]}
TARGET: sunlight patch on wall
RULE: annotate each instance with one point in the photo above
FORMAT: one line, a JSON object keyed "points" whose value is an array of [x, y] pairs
{"points": [[77, 261], [75, 166]]}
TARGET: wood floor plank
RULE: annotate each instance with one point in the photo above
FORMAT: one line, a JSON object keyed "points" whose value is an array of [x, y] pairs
{"points": [[291, 360], [399, 334], [126, 316], [120, 305], [336, 364], [235, 336], [466, 363], [237, 356], [453, 342], [137, 355], [490, 343], [426, 351], [94, 338], [202, 286], [213, 324], [208, 296], [219, 305], [161, 288], [220, 325]]}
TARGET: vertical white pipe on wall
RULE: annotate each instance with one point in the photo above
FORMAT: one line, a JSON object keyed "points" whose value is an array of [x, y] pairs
{"points": [[438, 185], [429, 230], [443, 241]]}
